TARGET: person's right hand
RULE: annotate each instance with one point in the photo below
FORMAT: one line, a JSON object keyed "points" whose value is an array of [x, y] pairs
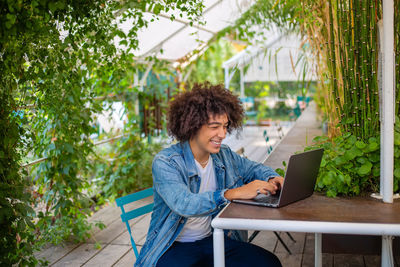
{"points": [[249, 191]]}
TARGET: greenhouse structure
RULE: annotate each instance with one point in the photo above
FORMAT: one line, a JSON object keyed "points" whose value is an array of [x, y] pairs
{"points": [[86, 93]]}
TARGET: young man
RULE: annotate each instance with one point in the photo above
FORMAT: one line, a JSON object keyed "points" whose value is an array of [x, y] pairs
{"points": [[195, 178]]}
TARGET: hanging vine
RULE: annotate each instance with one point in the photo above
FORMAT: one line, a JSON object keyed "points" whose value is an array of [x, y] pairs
{"points": [[50, 54]]}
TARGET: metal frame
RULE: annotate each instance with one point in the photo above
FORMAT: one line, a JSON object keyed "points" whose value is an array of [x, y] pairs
{"points": [[385, 230]]}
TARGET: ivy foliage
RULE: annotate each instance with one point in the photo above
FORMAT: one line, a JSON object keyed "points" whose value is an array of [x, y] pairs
{"points": [[15, 214], [55, 57]]}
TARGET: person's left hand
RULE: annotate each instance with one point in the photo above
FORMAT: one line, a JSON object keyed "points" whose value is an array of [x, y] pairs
{"points": [[278, 181]]}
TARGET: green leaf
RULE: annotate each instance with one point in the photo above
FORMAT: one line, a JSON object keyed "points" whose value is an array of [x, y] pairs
{"points": [[376, 171], [340, 160], [323, 163], [397, 124], [362, 160], [329, 178], [396, 173], [331, 193], [360, 144], [349, 155], [157, 8], [69, 148], [347, 179], [52, 6], [11, 18], [373, 146], [352, 139], [318, 139], [280, 171], [349, 165], [365, 169], [60, 4], [397, 139], [123, 42]]}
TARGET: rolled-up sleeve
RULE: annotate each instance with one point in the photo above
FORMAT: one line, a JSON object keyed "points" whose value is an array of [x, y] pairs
{"points": [[168, 181]]}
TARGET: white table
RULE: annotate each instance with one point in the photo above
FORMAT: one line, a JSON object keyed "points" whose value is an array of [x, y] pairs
{"points": [[316, 214]]}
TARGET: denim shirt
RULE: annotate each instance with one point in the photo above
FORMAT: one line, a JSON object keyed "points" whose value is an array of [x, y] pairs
{"points": [[176, 185]]}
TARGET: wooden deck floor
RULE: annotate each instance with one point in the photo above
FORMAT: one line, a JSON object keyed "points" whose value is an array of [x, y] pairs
{"points": [[111, 246]]}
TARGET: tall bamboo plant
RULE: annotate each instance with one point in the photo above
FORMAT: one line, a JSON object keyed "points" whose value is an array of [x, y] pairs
{"points": [[343, 35], [351, 57]]}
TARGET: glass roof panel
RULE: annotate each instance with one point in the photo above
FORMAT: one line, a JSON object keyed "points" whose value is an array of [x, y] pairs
{"points": [[225, 14], [157, 31], [183, 43], [176, 38]]}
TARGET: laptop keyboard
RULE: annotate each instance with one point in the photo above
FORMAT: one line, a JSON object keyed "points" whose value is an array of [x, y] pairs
{"points": [[273, 199]]}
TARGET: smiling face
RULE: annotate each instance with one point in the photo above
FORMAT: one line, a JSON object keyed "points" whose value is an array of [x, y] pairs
{"points": [[208, 139]]}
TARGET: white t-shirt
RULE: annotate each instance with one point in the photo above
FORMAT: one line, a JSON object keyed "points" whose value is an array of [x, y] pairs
{"points": [[197, 228]]}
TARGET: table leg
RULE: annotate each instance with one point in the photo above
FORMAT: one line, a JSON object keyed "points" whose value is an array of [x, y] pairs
{"points": [[318, 250], [219, 248], [387, 253]]}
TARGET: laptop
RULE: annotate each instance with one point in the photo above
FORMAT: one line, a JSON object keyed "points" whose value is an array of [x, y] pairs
{"points": [[299, 182]]}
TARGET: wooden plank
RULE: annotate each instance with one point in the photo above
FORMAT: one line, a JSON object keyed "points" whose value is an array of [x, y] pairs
{"points": [[117, 228], [111, 213], [107, 215], [139, 232], [128, 259], [109, 233], [266, 240], [293, 260], [308, 260], [108, 256], [348, 260], [78, 256], [372, 260], [309, 245], [54, 253], [294, 247]]}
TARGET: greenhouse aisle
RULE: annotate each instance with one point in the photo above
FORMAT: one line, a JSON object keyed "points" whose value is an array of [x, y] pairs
{"points": [[111, 246]]}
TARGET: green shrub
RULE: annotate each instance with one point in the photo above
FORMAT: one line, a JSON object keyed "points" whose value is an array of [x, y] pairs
{"points": [[351, 166], [130, 169]]}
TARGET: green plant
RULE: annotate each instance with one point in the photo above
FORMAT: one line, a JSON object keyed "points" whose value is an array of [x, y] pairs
{"points": [[351, 166], [130, 169], [264, 111], [281, 171], [16, 241], [208, 66], [54, 57]]}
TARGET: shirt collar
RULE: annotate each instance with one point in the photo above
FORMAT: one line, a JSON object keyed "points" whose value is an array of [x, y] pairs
{"points": [[190, 163], [189, 159]]}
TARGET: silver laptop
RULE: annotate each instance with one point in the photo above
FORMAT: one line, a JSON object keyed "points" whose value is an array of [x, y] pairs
{"points": [[299, 182]]}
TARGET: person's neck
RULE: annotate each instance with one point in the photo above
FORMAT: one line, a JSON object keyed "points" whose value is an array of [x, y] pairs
{"points": [[201, 156]]}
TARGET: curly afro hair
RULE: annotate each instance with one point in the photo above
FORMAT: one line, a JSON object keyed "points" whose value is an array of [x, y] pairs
{"points": [[190, 110]]}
